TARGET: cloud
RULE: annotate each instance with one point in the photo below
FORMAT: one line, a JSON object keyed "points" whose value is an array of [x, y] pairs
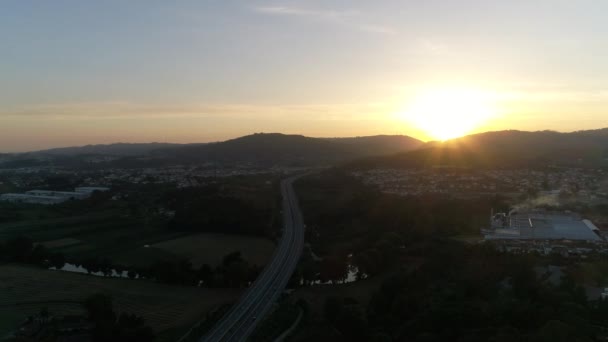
{"points": [[42, 126], [127, 110], [296, 11], [432, 46], [599, 96], [378, 29], [347, 18]]}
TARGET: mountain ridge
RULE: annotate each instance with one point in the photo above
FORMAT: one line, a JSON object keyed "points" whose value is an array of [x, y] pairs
{"points": [[259, 148], [495, 148], [275, 147], [586, 148]]}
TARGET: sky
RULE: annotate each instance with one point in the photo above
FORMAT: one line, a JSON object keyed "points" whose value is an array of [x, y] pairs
{"points": [[83, 72]]}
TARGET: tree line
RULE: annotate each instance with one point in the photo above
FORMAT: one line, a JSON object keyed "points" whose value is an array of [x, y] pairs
{"points": [[24, 250], [233, 272], [465, 293]]}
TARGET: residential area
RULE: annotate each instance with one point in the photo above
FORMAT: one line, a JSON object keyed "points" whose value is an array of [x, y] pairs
{"points": [[590, 184]]}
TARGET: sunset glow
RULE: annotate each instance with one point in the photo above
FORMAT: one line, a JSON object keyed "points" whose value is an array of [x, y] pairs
{"points": [[446, 113], [204, 71]]}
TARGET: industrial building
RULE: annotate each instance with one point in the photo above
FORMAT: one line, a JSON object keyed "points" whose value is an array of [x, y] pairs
{"points": [[63, 194], [91, 189], [541, 225], [47, 197], [31, 199]]}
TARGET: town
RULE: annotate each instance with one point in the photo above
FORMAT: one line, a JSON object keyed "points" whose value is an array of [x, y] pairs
{"points": [[588, 184], [23, 179]]}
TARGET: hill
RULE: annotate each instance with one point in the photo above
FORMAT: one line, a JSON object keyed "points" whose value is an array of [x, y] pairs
{"points": [[117, 149], [506, 148], [273, 148], [379, 144], [261, 148]]}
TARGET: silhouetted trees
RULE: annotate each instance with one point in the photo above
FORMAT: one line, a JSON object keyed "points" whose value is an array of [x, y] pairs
{"points": [[209, 210], [341, 211], [473, 293], [434, 287], [348, 317], [109, 326], [23, 250], [333, 269]]}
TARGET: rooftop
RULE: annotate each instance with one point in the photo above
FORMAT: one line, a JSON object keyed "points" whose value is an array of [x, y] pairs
{"points": [[541, 225]]}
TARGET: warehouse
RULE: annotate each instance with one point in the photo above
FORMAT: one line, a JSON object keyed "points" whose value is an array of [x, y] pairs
{"points": [[91, 189], [541, 225], [32, 199], [63, 194], [51, 196]]}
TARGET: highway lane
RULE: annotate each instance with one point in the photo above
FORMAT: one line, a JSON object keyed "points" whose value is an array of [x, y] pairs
{"points": [[257, 301]]}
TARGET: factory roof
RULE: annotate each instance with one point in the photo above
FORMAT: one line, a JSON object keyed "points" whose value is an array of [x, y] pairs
{"points": [[537, 225]]}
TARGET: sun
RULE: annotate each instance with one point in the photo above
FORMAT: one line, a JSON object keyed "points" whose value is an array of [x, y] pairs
{"points": [[447, 113]]}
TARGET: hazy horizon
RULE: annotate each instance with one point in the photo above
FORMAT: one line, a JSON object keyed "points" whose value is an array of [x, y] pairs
{"points": [[297, 134], [88, 73]]}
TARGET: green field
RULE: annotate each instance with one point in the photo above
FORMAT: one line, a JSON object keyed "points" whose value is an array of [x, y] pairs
{"points": [[8, 321], [134, 242], [94, 234], [134, 230], [167, 309], [201, 249]]}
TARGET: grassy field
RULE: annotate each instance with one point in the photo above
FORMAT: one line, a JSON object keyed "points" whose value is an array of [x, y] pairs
{"points": [[92, 234], [203, 249], [8, 321], [133, 241], [25, 290], [61, 243], [123, 230]]}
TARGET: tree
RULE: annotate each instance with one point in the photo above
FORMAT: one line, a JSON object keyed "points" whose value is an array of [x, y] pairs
{"points": [[173, 272], [99, 308], [107, 327], [557, 331], [39, 255], [130, 327], [44, 314], [205, 274], [231, 258], [381, 337], [334, 269], [57, 260], [18, 249], [310, 270], [351, 322], [131, 274], [332, 308], [236, 274]]}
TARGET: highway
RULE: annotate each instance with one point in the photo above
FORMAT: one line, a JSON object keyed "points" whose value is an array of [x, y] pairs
{"points": [[259, 299]]}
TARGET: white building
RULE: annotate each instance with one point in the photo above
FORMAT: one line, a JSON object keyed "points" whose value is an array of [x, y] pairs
{"points": [[32, 199], [91, 189], [541, 225], [63, 194], [51, 196]]}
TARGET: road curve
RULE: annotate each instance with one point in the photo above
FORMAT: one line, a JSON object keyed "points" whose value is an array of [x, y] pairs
{"points": [[244, 316]]}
